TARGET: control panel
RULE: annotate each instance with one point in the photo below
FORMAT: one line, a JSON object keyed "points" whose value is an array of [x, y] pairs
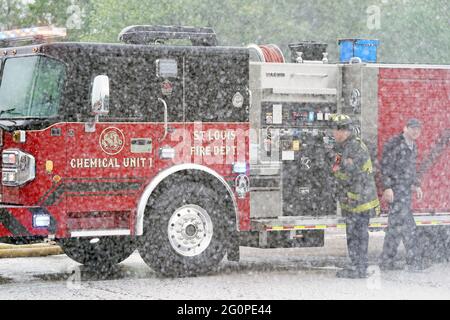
{"points": [[304, 145], [297, 114]]}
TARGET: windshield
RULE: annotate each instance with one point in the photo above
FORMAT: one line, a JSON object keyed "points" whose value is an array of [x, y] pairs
{"points": [[31, 87]]}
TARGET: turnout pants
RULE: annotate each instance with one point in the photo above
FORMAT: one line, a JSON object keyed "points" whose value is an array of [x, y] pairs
{"points": [[401, 227], [358, 239]]}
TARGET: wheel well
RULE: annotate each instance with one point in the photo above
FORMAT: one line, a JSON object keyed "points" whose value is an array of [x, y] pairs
{"points": [[207, 179]]}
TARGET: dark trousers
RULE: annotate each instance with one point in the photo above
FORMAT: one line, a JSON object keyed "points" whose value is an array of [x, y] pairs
{"points": [[401, 227], [358, 239]]}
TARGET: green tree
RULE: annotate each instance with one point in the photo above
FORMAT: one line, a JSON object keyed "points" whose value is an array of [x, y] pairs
{"points": [[72, 14], [11, 14], [409, 31]]}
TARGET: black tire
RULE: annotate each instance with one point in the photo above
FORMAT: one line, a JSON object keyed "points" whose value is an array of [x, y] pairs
{"points": [[156, 248], [105, 253]]}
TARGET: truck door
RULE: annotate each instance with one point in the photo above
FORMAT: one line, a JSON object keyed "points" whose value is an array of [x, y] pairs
{"points": [[111, 161], [168, 94]]}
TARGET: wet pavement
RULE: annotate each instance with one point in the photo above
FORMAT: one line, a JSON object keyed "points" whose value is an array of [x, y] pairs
{"points": [[307, 273]]}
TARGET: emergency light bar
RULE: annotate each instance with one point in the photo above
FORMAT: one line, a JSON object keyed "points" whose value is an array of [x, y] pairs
{"points": [[152, 34], [37, 33]]}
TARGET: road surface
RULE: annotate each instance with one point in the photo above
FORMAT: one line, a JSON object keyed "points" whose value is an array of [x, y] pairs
{"points": [[262, 274]]}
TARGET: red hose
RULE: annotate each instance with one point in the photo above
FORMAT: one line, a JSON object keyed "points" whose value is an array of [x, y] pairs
{"points": [[272, 53]]}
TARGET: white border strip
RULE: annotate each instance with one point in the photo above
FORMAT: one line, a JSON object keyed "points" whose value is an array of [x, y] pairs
{"points": [[100, 233]]}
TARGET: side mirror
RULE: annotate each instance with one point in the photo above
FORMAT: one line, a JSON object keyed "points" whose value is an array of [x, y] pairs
{"points": [[100, 95]]}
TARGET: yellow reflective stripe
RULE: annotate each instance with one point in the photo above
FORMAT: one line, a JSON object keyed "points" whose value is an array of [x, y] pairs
{"points": [[431, 223], [317, 227], [363, 207], [340, 175], [368, 167], [367, 206], [376, 225], [363, 145], [353, 196], [339, 117], [343, 225], [427, 223]]}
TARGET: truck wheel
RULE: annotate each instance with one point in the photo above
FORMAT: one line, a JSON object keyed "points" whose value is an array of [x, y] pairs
{"points": [[102, 252], [185, 229]]}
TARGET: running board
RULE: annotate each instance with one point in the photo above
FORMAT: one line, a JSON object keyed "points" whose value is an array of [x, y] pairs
{"points": [[99, 233]]}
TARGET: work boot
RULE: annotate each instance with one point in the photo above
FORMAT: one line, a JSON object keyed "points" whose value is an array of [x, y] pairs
{"points": [[352, 273]]}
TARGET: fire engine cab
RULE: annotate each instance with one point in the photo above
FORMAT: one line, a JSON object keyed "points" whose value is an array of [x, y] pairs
{"points": [[186, 150]]}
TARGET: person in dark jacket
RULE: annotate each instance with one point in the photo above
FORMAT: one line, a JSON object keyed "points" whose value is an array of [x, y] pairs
{"points": [[357, 193], [399, 178]]}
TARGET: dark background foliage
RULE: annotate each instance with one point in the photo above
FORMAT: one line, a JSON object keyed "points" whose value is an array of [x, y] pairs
{"points": [[410, 31]]}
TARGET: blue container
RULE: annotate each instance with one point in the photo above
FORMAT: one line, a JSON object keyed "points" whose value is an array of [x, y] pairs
{"points": [[366, 50]]}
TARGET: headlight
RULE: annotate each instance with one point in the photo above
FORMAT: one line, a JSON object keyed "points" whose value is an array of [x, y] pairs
{"points": [[10, 158], [18, 168], [9, 177]]}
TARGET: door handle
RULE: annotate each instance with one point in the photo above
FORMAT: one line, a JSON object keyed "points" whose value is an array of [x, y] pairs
{"points": [[166, 119]]}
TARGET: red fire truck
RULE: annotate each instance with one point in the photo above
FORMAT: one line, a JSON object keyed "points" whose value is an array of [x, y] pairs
{"points": [[188, 152]]}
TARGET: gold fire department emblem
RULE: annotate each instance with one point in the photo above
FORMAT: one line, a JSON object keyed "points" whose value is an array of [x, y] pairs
{"points": [[112, 141]]}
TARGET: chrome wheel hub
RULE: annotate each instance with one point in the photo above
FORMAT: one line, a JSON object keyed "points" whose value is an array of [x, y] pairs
{"points": [[190, 230]]}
